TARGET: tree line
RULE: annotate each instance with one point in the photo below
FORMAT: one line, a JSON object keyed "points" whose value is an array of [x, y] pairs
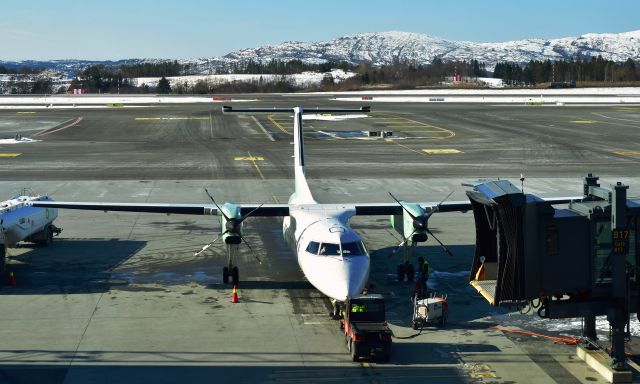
{"points": [[595, 69], [400, 75], [410, 74], [281, 67], [24, 70]]}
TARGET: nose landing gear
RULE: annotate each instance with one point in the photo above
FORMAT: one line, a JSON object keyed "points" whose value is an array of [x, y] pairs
{"points": [[231, 271], [336, 312]]}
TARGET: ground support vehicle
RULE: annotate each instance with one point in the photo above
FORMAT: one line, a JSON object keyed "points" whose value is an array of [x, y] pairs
{"points": [[365, 328], [432, 310]]}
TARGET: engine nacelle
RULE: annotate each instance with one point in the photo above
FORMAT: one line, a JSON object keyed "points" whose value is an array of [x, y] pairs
{"points": [[411, 228]]}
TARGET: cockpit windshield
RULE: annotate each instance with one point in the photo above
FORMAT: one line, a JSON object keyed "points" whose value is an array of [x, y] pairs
{"points": [[354, 248], [329, 249]]}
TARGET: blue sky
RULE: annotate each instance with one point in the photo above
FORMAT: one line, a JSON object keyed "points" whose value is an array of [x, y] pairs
{"points": [[117, 29]]}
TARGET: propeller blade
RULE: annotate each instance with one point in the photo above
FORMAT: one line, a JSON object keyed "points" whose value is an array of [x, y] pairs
{"points": [[251, 249], [403, 242], [250, 213], [216, 204], [403, 207], [437, 207], [207, 246], [445, 199], [440, 242]]}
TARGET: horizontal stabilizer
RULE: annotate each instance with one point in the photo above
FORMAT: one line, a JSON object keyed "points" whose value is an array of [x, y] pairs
{"points": [[227, 108]]}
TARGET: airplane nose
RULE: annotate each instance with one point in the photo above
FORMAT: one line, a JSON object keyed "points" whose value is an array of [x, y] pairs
{"points": [[338, 278], [356, 274]]}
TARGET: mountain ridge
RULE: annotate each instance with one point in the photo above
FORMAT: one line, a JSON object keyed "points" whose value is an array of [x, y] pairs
{"points": [[383, 48]]}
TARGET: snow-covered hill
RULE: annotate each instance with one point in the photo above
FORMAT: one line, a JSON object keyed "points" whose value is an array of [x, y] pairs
{"points": [[387, 47]]}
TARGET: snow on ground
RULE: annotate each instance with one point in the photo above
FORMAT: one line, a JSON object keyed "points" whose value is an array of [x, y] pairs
{"points": [[523, 96], [18, 141], [110, 101], [330, 117], [526, 99], [603, 91], [304, 79], [491, 82], [571, 326]]}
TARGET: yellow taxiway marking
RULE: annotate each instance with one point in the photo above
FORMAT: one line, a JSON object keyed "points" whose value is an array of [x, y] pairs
{"points": [[275, 122], [26, 113], [627, 109], [404, 146], [248, 158], [10, 154], [441, 151], [583, 121], [170, 118], [482, 375], [628, 153], [253, 160], [399, 120]]}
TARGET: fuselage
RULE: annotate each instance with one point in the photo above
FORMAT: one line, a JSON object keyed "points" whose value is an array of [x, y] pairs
{"points": [[330, 253]]}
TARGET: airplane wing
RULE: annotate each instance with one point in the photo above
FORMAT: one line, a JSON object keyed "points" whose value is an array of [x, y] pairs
{"points": [[373, 209], [182, 209], [361, 209]]}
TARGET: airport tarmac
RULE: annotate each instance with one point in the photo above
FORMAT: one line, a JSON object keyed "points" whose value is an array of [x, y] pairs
{"points": [[120, 297]]}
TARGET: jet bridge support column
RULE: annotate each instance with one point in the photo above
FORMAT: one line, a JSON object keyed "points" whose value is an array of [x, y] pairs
{"points": [[618, 314], [589, 330]]}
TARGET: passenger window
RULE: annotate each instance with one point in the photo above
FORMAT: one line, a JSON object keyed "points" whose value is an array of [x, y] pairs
{"points": [[313, 247]]}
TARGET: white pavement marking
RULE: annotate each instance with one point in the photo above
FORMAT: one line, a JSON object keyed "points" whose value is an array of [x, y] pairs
{"points": [[263, 129]]}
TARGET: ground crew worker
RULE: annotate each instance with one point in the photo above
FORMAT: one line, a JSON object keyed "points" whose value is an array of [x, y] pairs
{"points": [[423, 274]]}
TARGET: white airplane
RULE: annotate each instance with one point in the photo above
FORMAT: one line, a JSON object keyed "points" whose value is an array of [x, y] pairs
{"points": [[330, 253]]}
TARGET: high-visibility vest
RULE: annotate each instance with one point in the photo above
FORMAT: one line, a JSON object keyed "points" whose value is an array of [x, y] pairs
{"points": [[424, 269]]}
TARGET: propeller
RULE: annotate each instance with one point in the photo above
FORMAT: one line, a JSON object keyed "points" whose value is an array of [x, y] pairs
{"points": [[232, 224], [420, 223]]}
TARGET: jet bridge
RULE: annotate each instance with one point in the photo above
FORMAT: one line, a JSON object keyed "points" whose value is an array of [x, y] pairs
{"points": [[578, 261]]}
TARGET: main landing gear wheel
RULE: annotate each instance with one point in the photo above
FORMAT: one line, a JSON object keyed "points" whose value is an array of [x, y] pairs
{"points": [[232, 273], [335, 312], [405, 269], [235, 276], [225, 275]]}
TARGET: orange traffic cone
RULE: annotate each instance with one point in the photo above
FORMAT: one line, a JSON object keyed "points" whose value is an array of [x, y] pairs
{"points": [[12, 278], [234, 295]]}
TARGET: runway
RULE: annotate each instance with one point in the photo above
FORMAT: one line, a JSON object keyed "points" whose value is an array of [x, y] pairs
{"points": [[120, 297]]}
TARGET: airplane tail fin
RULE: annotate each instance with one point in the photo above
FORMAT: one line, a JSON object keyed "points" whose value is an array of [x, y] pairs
{"points": [[302, 193]]}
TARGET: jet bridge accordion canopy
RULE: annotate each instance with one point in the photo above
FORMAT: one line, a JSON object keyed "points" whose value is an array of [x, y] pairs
{"points": [[525, 248]]}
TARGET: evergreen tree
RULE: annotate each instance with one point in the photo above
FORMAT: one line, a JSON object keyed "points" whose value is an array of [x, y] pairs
{"points": [[164, 86]]}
